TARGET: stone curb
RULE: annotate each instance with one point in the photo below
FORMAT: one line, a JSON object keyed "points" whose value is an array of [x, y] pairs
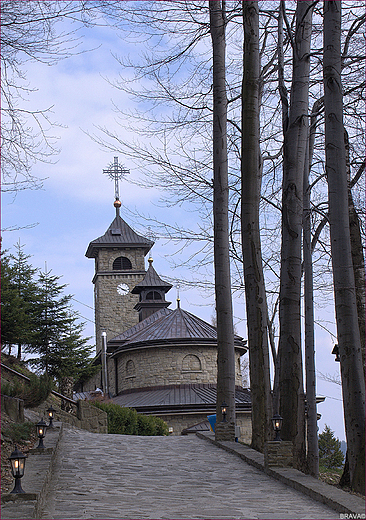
{"points": [[333, 497], [34, 502]]}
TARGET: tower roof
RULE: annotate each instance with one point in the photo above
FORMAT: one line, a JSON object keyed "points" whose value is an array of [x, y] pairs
{"points": [[119, 234], [151, 280]]}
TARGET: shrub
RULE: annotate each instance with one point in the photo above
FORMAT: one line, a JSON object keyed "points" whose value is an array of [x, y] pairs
{"points": [[18, 432], [146, 425], [127, 421], [32, 393]]}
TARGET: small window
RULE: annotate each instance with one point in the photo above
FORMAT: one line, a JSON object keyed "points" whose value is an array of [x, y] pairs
{"points": [[153, 295], [130, 368], [191, 363], [121, 263]]}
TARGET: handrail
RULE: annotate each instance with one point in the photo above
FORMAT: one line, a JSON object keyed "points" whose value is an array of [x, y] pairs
{"points": [[19, 374]]}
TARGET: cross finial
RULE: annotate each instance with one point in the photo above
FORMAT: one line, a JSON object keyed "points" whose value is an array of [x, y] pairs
{"points": [[115, 172]]}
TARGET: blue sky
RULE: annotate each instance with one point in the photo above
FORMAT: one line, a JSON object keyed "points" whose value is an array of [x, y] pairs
{"points": [[76, 203]]}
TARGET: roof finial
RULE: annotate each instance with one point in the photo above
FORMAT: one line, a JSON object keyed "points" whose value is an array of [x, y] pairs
{"points": [[116, 171], [150, 260], [178, 299]]}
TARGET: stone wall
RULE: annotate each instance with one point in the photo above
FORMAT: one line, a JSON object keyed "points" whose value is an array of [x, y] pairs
{"points": [[166, 365], [278, 453], [91, 418], [94, 382], [115, 312], [106, 257], [13, 407], [82, 415], [180, 422]]}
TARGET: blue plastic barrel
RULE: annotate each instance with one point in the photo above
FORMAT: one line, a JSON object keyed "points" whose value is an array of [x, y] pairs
{"points": [[212, 421]]}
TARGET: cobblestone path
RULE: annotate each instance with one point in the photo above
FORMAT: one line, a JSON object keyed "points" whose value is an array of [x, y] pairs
{"points": [[126, 477]]}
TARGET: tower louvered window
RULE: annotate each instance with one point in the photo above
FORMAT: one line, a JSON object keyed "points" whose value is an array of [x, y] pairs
{"points": [[122, 263], [153, 295]]}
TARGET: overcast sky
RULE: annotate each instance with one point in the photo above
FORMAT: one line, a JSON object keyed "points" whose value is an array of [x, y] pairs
{"points": [[76, 204]]}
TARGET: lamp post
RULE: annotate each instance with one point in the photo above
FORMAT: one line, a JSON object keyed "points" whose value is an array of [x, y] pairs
{"points": [[224, 411], [17, 461], [51, 413], [41, 432], [277, 425]]}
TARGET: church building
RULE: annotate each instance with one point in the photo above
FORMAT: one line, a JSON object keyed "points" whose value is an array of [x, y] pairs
{"points": [[159, 361]]}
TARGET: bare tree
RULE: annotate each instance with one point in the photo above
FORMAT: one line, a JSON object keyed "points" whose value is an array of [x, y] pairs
{"points": [[255, 293], [353, 381], [295, 128], [28, 33], [224, 312], [312, 455]]}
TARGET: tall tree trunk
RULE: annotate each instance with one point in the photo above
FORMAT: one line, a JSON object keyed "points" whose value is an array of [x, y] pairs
{"points": [[353, 381], [224, 312], [312, 454], [251, 177], [292, 406], [358, 260]]}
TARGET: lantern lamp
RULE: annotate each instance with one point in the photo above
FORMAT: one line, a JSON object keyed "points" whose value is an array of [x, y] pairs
{"points": [[41, 432], [17, 461], [224, 411], [51, 413], [277, 425], [335, 351]]}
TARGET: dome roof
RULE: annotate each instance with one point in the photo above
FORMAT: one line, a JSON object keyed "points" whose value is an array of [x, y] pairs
{"points": [[168, 326]]}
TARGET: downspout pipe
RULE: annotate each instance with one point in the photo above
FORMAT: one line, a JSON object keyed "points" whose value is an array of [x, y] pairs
{"points": [[104, 364]]}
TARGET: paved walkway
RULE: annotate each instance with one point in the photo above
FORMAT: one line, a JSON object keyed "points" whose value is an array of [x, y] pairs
{"points": [[126, 477]]}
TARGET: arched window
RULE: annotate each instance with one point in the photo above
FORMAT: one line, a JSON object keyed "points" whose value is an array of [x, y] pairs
{"points": [[121, 263], [130, 368], [153, 295], [191, 363]]}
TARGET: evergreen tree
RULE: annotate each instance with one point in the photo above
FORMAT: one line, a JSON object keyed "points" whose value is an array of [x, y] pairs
{"points": [[70, 357], [27, 294], [60, 349], [9, 303], [19, 292], [330, 454]]}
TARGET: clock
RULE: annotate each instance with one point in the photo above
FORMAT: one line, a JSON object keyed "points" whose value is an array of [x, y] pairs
{"points": [[123, 289]]}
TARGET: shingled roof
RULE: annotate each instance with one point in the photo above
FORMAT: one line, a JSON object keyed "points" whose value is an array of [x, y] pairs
{"points": [[169, 326], [119, 234]]}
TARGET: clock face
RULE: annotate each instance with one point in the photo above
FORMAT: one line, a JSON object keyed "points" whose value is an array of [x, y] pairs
{"points": [[123, 289]]}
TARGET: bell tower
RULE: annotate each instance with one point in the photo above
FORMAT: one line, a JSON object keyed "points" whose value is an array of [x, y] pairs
{"points": [[119, 257], [151, 291]]}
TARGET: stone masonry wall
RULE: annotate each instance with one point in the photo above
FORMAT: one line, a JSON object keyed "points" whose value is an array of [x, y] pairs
{"points": [[94, 382], [173, 365], [114, 312], [107, 256], [82, 415], [13, 407], [181, 421]]}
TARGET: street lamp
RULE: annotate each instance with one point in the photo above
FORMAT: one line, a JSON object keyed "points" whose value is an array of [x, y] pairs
{"points": [[41, 432], [335, 351], [17, 461], [277, 425], [224, 411], [51, 413]]}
